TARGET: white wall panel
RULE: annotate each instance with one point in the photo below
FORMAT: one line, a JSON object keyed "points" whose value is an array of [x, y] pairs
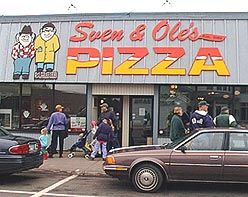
{"points": [[122, 89]]}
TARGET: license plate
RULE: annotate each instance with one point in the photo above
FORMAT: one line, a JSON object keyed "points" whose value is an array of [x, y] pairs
{"points": [[33, 147]]}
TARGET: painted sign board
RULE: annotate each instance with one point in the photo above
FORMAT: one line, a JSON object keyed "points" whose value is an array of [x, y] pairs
{"points": [[127, 66], [158, 49]]}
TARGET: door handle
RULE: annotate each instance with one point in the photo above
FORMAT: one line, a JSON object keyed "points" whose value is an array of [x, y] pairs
{"points": [[214, 157]]}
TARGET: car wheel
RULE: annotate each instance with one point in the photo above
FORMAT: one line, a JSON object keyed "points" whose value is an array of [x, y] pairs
{"points": [[147, 178]]}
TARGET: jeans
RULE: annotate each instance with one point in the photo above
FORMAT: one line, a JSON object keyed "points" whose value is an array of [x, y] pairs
{"points": [[55, 135], [43, 65], [22, 65], [97, 147]]}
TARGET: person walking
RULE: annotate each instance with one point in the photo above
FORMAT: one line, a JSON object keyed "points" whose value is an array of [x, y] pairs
{"points": [[103, 136], [57, 123], [177, 129], [44, 138], [108, 112], [200, 118], [225, 119]]}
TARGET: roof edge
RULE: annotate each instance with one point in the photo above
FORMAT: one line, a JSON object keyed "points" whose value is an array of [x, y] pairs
{"points": [[124, 16]]}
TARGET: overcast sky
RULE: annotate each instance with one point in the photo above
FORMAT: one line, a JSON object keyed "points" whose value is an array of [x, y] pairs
{"points": [[30, 7]]}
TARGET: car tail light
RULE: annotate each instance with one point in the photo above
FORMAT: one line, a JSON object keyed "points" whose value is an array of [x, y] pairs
{"points": [[19, 149], [110, 160]]}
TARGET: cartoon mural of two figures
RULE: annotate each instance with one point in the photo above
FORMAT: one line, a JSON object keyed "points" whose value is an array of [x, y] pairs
{"points": [[43, 47], [23, 52]]}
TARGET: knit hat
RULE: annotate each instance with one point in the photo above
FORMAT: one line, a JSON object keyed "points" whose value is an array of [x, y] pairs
{"points": [[93, 123]]}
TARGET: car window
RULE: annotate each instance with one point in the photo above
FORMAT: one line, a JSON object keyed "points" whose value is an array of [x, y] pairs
{"points": [[206, 141], [177, 142], [238, 142]]}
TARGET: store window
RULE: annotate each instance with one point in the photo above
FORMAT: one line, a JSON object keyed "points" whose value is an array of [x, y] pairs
{"points": [[189, 96], [9, 105], [73, 98], [240, 105], [37, 106], [170, 96]]}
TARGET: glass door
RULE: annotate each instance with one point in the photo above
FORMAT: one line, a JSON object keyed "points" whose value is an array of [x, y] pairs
{"points": [[140, 117]]}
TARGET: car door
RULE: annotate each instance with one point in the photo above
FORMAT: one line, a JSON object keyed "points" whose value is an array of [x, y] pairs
{"points": [[200, 158], [236, 157]]}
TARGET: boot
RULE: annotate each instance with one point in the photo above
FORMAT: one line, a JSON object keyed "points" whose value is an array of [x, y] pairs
{"points": [[16, 76]]}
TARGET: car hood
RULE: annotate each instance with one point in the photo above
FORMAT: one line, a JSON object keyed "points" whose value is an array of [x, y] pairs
{"points": [[136, 148]]}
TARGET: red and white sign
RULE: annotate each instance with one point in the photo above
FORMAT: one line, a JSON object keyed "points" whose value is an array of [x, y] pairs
{"points": [[163, 30]]}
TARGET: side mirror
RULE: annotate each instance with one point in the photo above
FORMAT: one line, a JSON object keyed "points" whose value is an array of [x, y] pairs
{"points": [[183, 149]]}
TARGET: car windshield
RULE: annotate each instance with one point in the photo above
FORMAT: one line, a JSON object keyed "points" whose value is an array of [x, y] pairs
{"points": [[3, 132], [175, 143]]}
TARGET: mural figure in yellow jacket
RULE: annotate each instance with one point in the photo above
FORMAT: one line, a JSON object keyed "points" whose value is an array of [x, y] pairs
{"points": [[46, 45]]}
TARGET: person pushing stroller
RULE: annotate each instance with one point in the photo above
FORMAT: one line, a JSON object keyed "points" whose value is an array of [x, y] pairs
{"points": [[84, 141]]}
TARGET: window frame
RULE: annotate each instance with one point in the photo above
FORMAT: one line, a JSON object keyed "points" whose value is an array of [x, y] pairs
{"points": [[223, 146], [229, 138]]}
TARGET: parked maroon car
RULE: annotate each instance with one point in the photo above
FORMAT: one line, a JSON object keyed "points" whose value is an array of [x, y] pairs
{"points": [[209, 155]]}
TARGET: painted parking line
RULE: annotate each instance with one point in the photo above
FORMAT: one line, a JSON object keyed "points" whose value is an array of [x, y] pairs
{"points": [[67, 195], [16, 192], [42, 192], [45, 191], [45, 194]]}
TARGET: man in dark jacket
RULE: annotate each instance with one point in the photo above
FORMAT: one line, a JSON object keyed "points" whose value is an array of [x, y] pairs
{"points": [[200, 118], [177, 129], [224, 119], [106, 113]]}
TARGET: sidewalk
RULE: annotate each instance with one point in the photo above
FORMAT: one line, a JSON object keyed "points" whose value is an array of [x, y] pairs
{"points": [[76, 165]]}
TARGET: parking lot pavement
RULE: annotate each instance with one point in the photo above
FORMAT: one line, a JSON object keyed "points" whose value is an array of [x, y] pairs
{"points": [[35, 184], [27, 183]]}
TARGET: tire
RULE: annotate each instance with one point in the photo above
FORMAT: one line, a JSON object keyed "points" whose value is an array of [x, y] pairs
{"points": [[147, 178]]}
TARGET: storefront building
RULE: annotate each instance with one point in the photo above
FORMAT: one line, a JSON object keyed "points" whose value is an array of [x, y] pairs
{"points": [[141, 64]]}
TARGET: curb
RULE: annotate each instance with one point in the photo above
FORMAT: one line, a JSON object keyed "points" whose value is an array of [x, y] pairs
{"points": [[76, 172]]}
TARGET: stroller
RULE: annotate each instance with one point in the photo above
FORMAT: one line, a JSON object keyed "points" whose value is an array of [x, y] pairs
{"points": [[82, 143]]}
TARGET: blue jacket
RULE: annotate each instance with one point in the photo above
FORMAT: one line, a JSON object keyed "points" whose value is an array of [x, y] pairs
{"points": [[201, 119], [104, 132], [43, 140], [57, 121]]}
